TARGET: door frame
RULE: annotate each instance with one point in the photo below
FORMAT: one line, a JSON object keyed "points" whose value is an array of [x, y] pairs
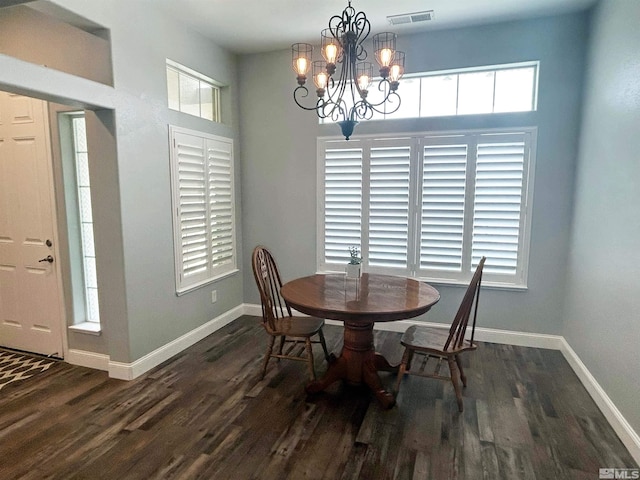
{"points": [[59, 346]]}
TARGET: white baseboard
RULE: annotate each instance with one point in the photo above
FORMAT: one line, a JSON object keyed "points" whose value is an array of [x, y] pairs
{"points": [[507, 337], [83, 358], [129, 371], [256, 310], [627, 434]]}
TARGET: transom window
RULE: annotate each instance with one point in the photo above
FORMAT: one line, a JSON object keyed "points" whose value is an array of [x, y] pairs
{"points": [[191, 92], [428, 205], [481, 90]]}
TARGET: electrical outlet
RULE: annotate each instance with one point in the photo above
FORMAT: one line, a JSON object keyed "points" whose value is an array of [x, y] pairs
{"points": [[214, 296]]}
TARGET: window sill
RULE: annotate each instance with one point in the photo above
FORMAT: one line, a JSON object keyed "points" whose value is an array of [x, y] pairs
{"points": [[486, 284], [208, 281], [90, 328]]}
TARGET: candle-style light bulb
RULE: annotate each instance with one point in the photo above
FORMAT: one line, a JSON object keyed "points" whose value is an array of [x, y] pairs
{"points": [[302, 66], [301, 54], [395, 73], [321, 80], [331, 53], [386, 54], [396, 70], [363, 82]]}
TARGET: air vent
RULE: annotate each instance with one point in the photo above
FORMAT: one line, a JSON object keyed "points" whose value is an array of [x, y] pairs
{"points": [[410, 18]]}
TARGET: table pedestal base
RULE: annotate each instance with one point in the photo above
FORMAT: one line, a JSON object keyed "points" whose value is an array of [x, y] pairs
{"points": [[358, 364]]}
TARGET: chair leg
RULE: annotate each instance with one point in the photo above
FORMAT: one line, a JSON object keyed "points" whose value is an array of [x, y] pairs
{"points": [[406, 358], [455, 379], [410, 359], [267, 356], [312, 371], [324, 345], [281, 348], [463, 377]]}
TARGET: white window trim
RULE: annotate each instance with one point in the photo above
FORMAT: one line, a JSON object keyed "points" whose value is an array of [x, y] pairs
{"points": [[535, 64], [213, 273], [518, 282], [214, 84]]}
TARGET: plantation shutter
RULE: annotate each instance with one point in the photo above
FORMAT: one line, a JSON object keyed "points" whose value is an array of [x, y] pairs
{"points": [[429, 205], [192, 207], [221, 208], [342, 201], [498, 202], [203, 199], [443, 204], [389, 176]]}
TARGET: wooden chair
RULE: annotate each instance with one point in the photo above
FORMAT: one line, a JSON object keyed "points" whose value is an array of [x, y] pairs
{"points": [[433, 342], [277, 320]]}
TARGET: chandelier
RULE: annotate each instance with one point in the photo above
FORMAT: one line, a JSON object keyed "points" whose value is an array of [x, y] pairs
{"points": [[344, 96]]}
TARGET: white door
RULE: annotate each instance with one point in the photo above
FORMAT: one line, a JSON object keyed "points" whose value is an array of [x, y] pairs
{"points": [[30, 304]]}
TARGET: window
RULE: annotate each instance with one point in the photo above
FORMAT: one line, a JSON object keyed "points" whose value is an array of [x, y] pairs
{"points": [[428, 205], [82, 257], [204, 207], [482, 90], [86, 219], [193, 93]]}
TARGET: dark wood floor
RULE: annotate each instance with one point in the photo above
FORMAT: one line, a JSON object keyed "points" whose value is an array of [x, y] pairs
{"points": [[204, 414]]}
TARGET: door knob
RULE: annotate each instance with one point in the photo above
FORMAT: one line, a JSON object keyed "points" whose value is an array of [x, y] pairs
{"points": [[48, 258]]}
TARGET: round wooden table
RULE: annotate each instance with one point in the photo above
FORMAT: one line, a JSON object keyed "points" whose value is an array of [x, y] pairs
{"points": [[359, 303]]}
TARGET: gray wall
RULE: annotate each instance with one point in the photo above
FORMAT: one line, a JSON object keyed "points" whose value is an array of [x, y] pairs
{"points": [[602, 319], [279, 157], [39, 38], [142, 311]]}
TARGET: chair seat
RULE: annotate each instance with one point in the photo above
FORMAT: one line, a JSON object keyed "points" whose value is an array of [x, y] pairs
{"points": [[431, 340], [297, 326]]}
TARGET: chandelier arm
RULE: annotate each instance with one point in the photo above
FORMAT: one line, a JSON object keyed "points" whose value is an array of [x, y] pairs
{"points": [[331, 107], [338, 111], [362, 110], [336, 27], [362, 28], [354, 81], [392, 99], [336, 96], [303, 92], [347, 14]]}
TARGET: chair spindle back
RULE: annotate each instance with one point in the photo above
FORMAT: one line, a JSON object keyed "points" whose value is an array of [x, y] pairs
{"points": [[269, 283], [458, 328]]}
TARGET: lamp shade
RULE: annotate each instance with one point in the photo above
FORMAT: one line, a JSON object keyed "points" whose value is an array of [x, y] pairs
{"points": [[396, 69], [384, 47], [331, 48], [364, 76], [301, 54], [320, 77]]}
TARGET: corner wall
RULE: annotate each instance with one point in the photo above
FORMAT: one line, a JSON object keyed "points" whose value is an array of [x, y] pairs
{"points": [[602, 309]]}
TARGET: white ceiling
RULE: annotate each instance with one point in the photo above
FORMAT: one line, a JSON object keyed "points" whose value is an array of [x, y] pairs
{"points": [[261, 25]]}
